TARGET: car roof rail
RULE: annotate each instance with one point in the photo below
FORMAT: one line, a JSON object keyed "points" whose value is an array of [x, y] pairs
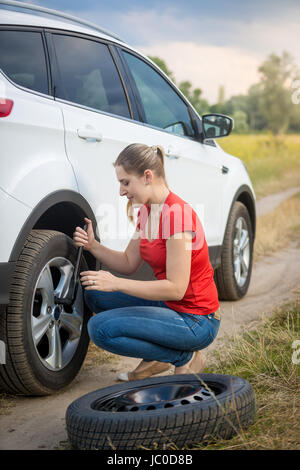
{"points": [[30, 6]]}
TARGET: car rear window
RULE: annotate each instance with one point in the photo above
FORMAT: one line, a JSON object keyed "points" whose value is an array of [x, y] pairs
{"points": [[88, 76], [22, 59]]}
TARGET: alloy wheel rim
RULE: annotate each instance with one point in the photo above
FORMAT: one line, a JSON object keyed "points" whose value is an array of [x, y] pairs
{"points": [[241, 252], [56, 329]]}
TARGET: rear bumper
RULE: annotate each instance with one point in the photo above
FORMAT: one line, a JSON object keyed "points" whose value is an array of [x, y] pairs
{"points": [[6, 274]]}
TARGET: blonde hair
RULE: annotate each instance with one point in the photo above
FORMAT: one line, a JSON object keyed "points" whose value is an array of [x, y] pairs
{"points": [[136, 158]]}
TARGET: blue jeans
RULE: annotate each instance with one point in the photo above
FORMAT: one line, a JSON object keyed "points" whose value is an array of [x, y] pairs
{"points": [[149, 329]]}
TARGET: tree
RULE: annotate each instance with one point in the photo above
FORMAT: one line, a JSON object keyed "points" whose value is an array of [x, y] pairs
{"points": [[240, 122], [235, 103], [295, 119], [275, 99], [268, 104], [194, 97], [163, 66], [253, 104], [221, 95]]}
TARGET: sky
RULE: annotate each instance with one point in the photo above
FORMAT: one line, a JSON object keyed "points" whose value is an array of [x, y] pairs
{"points": [[210, 43]]}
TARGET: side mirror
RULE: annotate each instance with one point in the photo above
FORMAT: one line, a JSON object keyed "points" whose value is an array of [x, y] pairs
{"points": [[215, 126]]}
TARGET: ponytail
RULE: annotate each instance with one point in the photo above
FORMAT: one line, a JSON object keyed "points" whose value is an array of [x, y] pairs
{"points": [[136, 158]]}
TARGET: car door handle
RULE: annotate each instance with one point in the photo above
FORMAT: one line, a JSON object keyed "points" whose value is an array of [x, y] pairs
{"points": [[172, 153], [224, 170], [89, 135]]}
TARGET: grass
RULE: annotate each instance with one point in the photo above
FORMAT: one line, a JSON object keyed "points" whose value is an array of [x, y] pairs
{"points": [[263, 356], [267, 159], [273, 163], [276, 229]]}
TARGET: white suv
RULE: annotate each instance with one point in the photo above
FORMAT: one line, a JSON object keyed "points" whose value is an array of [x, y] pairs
{"points": [[72, 96]]}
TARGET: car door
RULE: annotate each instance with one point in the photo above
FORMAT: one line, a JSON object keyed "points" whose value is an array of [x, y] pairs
{"points": [[193, 170], [99, 122]]}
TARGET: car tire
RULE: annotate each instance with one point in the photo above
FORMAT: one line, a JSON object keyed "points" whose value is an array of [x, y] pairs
{"points": [[161, 412], [232, 278], [44, 349]]}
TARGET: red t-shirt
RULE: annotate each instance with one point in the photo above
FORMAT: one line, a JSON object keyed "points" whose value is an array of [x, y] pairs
{"points": [[177, 216]]}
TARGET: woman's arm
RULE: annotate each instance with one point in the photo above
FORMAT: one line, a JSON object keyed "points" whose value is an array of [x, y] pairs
{"points": [[124, 262], [178, 269]]}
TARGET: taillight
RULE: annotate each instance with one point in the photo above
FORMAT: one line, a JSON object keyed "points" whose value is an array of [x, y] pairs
{"points": [[5, 107]]}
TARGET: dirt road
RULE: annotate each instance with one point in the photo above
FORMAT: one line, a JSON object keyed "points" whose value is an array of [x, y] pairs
{"points": [[39, 422]]}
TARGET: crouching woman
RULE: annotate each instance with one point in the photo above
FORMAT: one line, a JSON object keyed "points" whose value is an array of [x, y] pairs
{"points": [[167, 321]]}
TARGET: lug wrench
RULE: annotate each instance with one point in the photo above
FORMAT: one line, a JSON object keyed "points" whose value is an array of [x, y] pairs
{"points": [[71, 295]]}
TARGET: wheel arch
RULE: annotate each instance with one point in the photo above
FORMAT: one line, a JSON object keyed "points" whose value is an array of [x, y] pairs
{"points": [[245, 196], [62, 211]]}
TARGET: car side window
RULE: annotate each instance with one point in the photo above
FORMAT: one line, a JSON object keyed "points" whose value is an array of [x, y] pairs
{"points": [[161, 104], [88, 76], [22, 59]]}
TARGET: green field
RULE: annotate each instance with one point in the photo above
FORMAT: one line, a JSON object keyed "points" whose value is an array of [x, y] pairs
{"points": [[273, 163], [266, 357]]}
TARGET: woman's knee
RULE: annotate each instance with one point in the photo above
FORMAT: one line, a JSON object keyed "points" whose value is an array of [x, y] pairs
{"points": [[89, 299], [95, 300], [101, 329], [95, 330]]}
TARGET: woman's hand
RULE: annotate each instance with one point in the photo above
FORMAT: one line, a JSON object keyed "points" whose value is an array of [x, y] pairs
{"points": [[84, 238], [99, 280]]}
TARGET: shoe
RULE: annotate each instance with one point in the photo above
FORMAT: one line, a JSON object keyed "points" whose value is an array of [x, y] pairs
{"points": [[145, 369], [195, 365]]}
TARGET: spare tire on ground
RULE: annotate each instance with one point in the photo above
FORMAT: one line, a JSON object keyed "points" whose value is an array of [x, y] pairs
{"points": [[160, 412]]}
